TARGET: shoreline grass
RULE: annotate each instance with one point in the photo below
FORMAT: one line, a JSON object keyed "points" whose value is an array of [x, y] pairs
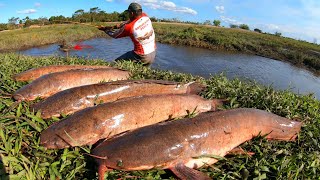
{"points": [[23, 158]]}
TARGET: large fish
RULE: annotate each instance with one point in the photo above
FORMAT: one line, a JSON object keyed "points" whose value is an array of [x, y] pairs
{"points": [[106, 120], [175, 145], [75, 99], [50, 84], [35, 73]]}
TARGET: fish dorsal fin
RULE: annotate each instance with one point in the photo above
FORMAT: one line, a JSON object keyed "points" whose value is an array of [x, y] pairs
{"points": [[185, 173]]}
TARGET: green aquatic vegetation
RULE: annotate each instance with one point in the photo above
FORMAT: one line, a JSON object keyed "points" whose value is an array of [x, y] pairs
{"points": [[21, 156]]}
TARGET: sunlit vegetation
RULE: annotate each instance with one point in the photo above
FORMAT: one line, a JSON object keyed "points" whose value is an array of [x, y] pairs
{"points": [[21, 156]]}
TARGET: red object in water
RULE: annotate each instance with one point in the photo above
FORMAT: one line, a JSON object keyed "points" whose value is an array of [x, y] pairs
{"points": [[80, 47]]}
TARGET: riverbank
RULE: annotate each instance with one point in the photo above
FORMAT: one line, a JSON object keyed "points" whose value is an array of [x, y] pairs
{"points": [[298, 53], [24, 158]]}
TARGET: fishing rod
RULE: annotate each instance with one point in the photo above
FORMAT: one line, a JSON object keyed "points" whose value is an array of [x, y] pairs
{"points": [[100, 27], [65, 47]]}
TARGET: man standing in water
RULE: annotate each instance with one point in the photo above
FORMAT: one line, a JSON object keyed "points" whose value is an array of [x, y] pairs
{"points": [[139, 29]]}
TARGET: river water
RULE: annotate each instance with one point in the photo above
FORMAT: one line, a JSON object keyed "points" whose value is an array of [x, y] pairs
{"points": [[202, 62]]}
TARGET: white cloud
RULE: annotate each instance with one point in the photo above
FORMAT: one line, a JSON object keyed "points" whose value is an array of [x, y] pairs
{"points": [[27, 11], [230, 20], [169, 4], [166, 5], [220, 9], [109, 0], [270, 27], [308, 33]]}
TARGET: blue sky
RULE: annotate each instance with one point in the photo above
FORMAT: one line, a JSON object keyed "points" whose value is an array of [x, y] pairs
{"points": [[299, 19]]}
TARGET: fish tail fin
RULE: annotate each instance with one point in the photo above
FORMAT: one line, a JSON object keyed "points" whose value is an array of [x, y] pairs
{"points": [[218, 102], [195, 88], [184, 172]]}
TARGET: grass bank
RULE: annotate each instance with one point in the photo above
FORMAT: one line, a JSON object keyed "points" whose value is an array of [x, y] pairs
{"points": [[23, 158], [34, 37], [299, 53]]}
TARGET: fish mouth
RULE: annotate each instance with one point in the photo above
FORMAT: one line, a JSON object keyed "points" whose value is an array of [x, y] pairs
{"points": [[53, 141], [19, 97]]}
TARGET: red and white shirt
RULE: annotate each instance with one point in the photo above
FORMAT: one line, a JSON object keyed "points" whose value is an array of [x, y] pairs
{"points": [[141, 33]]}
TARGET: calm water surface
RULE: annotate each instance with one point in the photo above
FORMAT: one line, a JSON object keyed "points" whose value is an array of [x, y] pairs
{"points": [[202, 62]]}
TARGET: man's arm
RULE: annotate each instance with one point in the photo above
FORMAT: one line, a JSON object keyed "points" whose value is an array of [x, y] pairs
{"points": [[111, 30]]}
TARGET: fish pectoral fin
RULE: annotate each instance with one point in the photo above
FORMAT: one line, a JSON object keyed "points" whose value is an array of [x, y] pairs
{"points": [[185, 173], [240, 151], [101, 171]]}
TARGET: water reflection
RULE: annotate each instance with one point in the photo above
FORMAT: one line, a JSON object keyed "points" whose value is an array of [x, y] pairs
{"points": [[202, 62]]}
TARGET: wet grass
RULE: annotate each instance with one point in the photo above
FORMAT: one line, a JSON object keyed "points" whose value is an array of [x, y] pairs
{"points": [[23, 158]]}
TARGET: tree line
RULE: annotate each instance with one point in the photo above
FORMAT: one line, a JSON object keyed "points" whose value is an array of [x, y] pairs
{"points": [[95, 14]]}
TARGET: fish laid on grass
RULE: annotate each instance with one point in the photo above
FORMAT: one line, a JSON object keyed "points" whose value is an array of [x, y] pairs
{"points": [[186, 144], [78, 98], [50, 84], [35, 73], [88, 126]]}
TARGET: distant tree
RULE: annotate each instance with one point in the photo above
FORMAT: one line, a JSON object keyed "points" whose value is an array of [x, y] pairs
{"points": [[43, 20], [153, 19], [124, 16], [13, 20], [27, 22], [244, 26], [207, 22], [58, 19], [257, 30], [78, 12], [95, 10], [233, 26], [277, 33], [175, 20], [217, 22]]}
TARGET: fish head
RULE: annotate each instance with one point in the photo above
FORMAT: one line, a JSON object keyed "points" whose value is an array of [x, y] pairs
{"points": [[51, 140], [53, 143]]}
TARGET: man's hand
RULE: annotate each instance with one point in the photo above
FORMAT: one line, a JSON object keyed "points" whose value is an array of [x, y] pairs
{"points": [[110, 33], [104, 28]]}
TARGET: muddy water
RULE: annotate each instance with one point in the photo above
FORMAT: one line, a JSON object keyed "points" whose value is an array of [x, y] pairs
{"points": [[202, 62]]}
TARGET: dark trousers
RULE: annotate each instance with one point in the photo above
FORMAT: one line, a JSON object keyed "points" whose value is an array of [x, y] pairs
{"points": [[146, 59]]}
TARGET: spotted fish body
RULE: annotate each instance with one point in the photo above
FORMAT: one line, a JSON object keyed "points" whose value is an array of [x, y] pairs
{"points": [[170, 144], [78, 98], [106, 120], [50, 84], [35, 73]]}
